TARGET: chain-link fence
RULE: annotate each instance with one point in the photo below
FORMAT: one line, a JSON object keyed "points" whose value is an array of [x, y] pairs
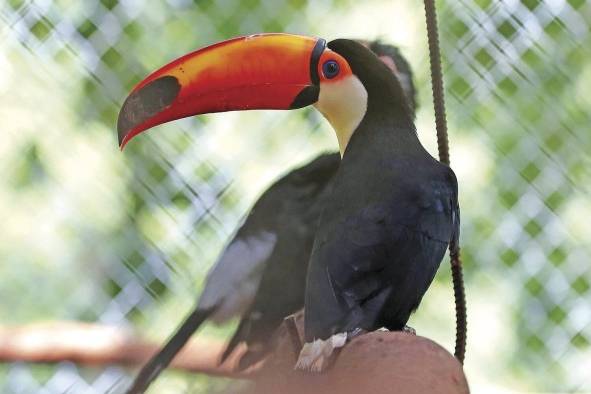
{"points": [[517, 77], [91, 234]]}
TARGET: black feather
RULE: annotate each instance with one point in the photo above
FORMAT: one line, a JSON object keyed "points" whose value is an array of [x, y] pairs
{"points": [[160, 361]]}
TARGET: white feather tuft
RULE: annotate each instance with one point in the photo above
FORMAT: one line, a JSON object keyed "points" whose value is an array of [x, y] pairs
{"points": [[316, 356]]}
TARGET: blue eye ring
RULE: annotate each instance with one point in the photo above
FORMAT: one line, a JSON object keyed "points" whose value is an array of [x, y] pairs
{"points": [[330, 69]]}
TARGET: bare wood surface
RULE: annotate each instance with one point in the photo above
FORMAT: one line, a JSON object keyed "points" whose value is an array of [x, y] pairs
{"points": [[377, 362]]}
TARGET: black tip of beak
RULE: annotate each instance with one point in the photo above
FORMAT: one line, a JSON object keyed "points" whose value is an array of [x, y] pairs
{"points": [[146, 102]]}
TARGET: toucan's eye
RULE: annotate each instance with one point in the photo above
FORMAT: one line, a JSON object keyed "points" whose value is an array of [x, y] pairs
{"points": [[330, 69]]}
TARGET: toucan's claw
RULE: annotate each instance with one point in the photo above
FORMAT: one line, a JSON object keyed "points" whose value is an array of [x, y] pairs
{"points": [[409, 330], [319, 355]]}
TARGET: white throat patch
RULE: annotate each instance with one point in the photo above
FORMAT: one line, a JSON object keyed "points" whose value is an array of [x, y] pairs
{"points": [[343, 103]]}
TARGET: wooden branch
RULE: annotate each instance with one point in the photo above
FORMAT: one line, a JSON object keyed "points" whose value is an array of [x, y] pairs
{"points": [[377, 362], [95, 344]]}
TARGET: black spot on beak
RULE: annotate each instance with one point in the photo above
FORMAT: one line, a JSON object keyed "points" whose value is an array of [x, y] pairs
{"points": [[146, 102], [308, 95]]}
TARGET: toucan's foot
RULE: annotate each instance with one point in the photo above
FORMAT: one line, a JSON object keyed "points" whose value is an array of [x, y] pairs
{"points": [[294, 334], [317, 356], [356, 333], [252, 356], [409, 330]]}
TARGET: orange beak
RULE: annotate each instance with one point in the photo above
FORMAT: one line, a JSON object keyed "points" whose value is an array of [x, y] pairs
{"points": [[266, 71]]}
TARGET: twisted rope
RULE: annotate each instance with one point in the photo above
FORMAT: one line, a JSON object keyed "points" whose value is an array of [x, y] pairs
{"points": [[443, 147]]}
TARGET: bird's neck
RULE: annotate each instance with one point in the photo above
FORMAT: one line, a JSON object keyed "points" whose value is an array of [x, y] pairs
{"points": [[344, 105], [387, 120], [350, 111], [386, 129]]}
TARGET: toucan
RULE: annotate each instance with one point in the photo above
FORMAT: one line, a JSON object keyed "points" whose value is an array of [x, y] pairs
{"points": [[393, 209], [247, 281], [289, 209]]}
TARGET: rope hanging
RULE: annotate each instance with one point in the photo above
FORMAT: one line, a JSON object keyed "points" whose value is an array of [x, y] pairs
{"points": [[443, 147]]}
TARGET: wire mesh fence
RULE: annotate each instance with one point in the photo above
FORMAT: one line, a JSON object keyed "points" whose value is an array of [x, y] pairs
{"points": [[92, 234], [515, 73]]}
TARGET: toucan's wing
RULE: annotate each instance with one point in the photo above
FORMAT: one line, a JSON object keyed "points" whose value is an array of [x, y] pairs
{"points": [[274, 233], [233, 281], [281, 289], [373, 269]]}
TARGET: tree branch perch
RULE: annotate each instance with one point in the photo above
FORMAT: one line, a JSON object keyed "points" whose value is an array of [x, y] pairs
{"points": [[377, 362], [97, 345]]}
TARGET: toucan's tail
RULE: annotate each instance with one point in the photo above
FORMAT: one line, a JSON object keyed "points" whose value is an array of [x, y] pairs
{"points": [[160, 361]]}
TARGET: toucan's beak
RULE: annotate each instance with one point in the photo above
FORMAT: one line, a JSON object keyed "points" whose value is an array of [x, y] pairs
{"points": [[267, 71]]}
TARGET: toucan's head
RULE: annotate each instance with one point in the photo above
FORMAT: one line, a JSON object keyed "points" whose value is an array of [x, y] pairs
{"points": [[266, 71], [395, 60]]}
